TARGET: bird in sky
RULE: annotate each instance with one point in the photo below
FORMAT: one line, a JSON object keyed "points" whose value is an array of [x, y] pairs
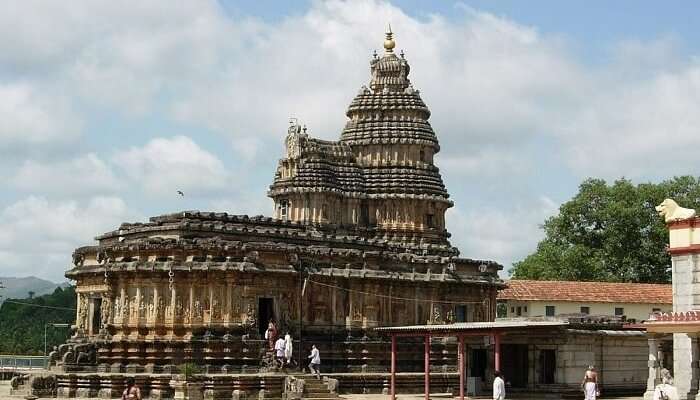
{"points": [[180, 193]]}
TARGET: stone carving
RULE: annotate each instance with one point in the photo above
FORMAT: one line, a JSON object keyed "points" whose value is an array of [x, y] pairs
{"points": [[126, 310], [665, 390], [54, 357], [671, 211], [160, 309], [78, 259], [250, 317], [437, 316], [293, 141], [106, 311], [450, 316], [81, 323]]}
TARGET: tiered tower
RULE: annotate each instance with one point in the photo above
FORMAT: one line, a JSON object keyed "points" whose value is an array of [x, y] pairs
{"points": [[380, 176]]}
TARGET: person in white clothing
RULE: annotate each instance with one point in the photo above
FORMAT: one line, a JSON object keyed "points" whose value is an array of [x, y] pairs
{"points": [[279, 352], [499, 386], [288, 348], [314, 365]]}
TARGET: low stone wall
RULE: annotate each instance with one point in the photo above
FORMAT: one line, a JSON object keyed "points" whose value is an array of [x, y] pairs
{"points": [[243, 386]]}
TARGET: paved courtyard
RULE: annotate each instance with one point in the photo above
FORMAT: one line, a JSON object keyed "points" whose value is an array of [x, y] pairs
{"points": [[5, 395]]}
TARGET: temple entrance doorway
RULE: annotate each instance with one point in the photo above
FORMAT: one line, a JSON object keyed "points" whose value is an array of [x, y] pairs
{"points": [[547, 365], [514, 364], [266, 313], [96, 318], [478, 360]]}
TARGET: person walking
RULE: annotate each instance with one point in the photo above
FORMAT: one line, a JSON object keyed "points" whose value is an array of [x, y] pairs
{"points": [[132, 392], [279, 352], [499, 386], [288, 348], [590, 384], [315, 364]]}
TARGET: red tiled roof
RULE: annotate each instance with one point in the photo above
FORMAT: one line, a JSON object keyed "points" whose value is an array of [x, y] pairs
{"points": [[595, 292]]}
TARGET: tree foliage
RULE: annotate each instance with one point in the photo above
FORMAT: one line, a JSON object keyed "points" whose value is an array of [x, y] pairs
{"points": [[609, 233], [22, 325]]}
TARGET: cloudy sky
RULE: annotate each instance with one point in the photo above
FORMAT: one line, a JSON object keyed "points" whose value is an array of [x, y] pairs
{"points": [[108, 108]]}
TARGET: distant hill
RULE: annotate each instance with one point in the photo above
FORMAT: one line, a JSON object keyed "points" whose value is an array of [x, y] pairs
{"points": [[22, 321], [19, 288]]}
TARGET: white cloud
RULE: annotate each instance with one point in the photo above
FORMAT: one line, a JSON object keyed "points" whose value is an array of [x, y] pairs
{"points": [[165, 165], [503, 235], [83, 175], [509, 102], [28, 116], [38, 236]]}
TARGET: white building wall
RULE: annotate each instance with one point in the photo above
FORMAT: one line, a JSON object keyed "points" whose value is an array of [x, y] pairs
{"points": [[635, 311]]}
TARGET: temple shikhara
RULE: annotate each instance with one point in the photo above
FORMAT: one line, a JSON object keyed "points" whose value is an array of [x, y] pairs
{"points": [[357, 241]]}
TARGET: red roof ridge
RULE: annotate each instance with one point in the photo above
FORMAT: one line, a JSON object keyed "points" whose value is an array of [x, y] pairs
{"points": [[588, 291]]}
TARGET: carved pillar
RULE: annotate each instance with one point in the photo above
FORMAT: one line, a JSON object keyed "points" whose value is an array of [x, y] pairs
{"points": [[228, 303], [173, 301], [210, 294], [695, 364], [156, 302], [653, 363], [122, 302], [137, 306], [190, 306]]}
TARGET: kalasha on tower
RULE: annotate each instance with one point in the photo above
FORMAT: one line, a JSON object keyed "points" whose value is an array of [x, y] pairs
{"points": [[357, 241]]}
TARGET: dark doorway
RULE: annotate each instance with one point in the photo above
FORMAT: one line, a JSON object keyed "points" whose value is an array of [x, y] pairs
{"points": [[477, 363], [364, 214], [514, 364], [96, 315], [548, 364], [266, 313]]}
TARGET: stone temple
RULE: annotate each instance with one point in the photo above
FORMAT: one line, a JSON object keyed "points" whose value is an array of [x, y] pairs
{"points": [[357, 241]]}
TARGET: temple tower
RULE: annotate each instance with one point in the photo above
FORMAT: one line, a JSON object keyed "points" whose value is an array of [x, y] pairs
{"points": [[380, 175]]}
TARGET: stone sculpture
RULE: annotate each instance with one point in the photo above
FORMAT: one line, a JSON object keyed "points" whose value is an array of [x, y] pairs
{"points": [[671, 211], [665, 390]]}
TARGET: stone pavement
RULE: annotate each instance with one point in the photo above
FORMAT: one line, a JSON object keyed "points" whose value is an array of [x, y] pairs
{"points": [[5, 395]]}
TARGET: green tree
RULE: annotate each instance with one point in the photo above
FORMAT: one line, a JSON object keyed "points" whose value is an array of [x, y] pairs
{"points": [[22, 321], [609, 233]]}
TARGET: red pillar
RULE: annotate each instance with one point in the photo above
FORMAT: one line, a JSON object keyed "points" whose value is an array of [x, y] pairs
{"points": [[393, 367], [497, 351], [427, 367], [460, 359]]}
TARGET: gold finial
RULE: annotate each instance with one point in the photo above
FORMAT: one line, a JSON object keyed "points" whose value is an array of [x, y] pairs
{"points": [[389, 43]]}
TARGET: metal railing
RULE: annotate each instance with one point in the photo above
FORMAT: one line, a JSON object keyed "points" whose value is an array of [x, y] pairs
{"points": [[15, 362]]}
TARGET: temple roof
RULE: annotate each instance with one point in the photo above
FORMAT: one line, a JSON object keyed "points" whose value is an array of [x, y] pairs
{"points": [[590, 292], [388, 113]]}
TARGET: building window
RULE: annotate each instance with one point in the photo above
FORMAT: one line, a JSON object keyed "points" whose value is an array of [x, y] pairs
{"points": [[585, 310], [519, 312], [512, 310], [525, 309], [461, 314], [549, 311], [655, 310], [422, 155], [283, 208], [619, 311]]}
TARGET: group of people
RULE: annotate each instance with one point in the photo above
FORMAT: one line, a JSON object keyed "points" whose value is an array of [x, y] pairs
{"points": [[589, 385], [283, 348]]}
